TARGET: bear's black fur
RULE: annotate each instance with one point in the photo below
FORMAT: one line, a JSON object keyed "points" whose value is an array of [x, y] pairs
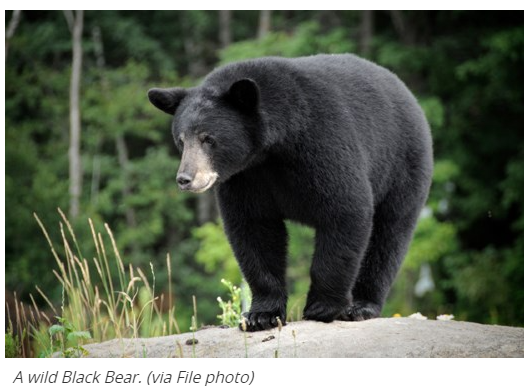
{"points": [[331, 141]]}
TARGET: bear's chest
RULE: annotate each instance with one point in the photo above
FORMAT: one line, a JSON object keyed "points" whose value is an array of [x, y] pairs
{"points": [[292, 193]]}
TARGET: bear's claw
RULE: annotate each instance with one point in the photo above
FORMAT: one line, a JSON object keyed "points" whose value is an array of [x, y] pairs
{"points": [[258, 321], [360, 311]]}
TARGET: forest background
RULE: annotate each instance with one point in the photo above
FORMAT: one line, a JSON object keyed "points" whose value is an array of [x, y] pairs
{"points": [[82, 136]]}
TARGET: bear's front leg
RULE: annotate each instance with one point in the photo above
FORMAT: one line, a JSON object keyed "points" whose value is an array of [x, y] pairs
{"points": [[258, 238], [260, 248], [338, 254]]}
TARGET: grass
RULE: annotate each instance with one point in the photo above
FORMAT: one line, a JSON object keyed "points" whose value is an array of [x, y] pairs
{"points": [[279, 322], [102, 298], [243, 325]]}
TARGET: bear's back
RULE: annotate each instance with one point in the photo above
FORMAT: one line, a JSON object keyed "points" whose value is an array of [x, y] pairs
{"points": [[338, 70], [339, 67]]}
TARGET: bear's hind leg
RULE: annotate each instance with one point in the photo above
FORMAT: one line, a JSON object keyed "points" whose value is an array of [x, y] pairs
{"points": [[338, 253], [393, 227]]}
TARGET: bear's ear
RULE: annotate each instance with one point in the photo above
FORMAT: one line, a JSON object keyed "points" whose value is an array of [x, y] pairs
{"points": [[244, 94], [167, 99]]}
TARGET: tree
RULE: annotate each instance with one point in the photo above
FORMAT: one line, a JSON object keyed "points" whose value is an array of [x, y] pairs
{"points": [[225, 28], [11, 28], [264, 24], [403, 27], [366, 32], [75, 21]]}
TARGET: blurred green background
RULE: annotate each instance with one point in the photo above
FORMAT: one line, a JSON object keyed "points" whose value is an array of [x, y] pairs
{"points": [[466, 69]]}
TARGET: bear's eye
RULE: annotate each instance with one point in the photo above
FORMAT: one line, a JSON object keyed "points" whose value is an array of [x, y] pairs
{"points": [[180, 142], [207, 139]]}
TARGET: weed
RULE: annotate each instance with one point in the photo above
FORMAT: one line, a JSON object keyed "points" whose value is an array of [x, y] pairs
{"points": [[194, 327], [279, 322], [194, 340], [11, 346], [180, 349], [94, 303], [243, 325], [232, 309], [294, 343], [66, 340]]}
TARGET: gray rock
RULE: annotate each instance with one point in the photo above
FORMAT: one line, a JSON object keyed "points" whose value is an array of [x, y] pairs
{"points": [[394, 337]]}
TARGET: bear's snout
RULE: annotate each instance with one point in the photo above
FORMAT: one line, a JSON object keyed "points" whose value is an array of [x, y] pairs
{"points": [[198, 183], [184, 181]]}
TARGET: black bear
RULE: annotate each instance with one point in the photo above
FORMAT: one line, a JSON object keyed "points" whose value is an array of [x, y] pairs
{"points": [[331, 141]]}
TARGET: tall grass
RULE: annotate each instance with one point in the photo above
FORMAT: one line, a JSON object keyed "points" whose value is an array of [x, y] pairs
{"points": [[100, 295]]}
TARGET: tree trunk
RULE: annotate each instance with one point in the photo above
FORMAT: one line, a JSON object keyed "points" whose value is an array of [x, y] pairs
{"points": [[123, 160], [408, 36], [98, 49], [366, 32], [264, 24], [11, 28], [403, 28], [75, 164], [193, 48], [224, 28]]}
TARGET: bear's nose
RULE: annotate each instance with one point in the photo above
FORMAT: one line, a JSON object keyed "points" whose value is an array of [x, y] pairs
{"points": [[183, 180]]}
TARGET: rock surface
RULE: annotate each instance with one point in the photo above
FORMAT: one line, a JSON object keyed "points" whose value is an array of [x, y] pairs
{"points": [[394, 337]]}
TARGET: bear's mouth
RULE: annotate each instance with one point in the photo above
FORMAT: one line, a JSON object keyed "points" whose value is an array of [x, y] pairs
{"points": [[210, 182]]}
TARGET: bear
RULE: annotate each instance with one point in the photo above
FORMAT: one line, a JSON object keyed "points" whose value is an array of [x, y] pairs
{"points": [[335, 142]]}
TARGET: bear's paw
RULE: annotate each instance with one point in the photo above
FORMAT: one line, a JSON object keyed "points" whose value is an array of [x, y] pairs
{"points": [[258, 321], [359, 311]]}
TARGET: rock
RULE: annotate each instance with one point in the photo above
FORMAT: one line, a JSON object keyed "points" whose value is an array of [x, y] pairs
{"points": [[394, 337]]}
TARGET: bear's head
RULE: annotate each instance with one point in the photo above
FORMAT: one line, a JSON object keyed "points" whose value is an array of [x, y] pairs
{"points": [[216, 132]]}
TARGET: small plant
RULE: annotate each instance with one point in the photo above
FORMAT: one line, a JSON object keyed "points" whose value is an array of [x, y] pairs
{"points": [[11, 346], [66, 340], [243, 326], [180, 350], [194, 327], [232, 309], [279, 322], [294, 343]]}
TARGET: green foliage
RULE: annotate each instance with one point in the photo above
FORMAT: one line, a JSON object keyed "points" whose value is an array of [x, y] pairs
{"points": [[404, 60], [512, 188], [66, 339], [444, 170], [232, 309], [432, 241], [11, 346], [301, 247], [307, 39], [215, 253], [434, 110]]}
